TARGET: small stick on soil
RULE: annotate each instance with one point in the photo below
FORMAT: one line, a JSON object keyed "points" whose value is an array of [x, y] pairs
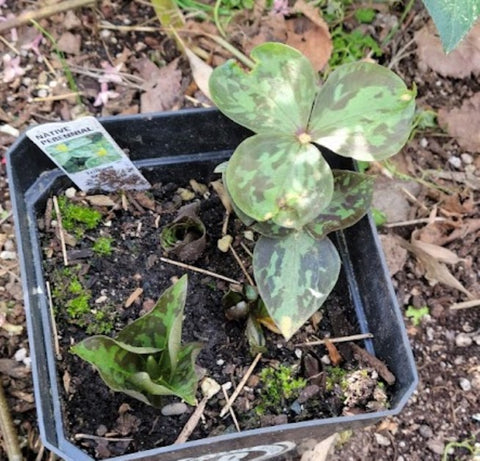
{"points": [[54, 324], [133, 297], [198, 269], [7, 429], [96, 437], [340, 339], [232, 413], [58, 97], [240, 263], [45, 12], [232, 399], [192, 421], [375, 363], [413, 222], [465, 305], [60, 231]]}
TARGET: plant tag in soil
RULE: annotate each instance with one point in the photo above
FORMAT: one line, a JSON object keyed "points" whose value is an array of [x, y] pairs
{"points": [[88, 155]]}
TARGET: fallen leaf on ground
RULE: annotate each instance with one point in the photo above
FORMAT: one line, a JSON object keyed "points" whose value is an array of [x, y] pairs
{"points": [[463, 123], [435, 271], [441, 254], [395, 255], [201, 72], [460, 63], [69, 43], [163, 89]]}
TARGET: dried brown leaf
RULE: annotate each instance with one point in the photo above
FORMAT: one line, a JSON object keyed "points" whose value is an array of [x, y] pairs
{"points": [[435, 271], [163, 88], [69, 43], [100, 200], [437, 252], [464, 123], [310, 35], [334, 355], [460, 63], [201, 72]]}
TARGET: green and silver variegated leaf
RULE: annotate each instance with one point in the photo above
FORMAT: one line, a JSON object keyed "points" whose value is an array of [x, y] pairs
{"points": [[267, 228], [147, 359], [275, 96], [276, 178], [352, 195], [294, 276], [162, 326], [363, 111]]}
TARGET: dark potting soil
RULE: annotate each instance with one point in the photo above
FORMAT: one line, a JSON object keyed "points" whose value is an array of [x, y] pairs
{"points": [[107, 423]]}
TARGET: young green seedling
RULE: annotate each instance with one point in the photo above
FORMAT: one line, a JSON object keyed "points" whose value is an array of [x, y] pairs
{"points": [[147, 360], [279, 181]]}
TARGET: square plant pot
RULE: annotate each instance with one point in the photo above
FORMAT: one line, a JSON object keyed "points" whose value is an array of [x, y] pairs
{"points": [[168, 145]]}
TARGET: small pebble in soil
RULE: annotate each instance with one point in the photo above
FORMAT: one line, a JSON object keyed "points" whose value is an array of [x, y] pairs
{"points": [[424, 142], [8, 255], [466, 158], [70, 192], [425, 431], [382, 440], [325, 360], [436, 446], [455, 161], [174, 409], [465, 384], [463, 340]]}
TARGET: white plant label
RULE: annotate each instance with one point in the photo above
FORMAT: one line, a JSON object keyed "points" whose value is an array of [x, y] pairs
{"points": [[88, 155]]}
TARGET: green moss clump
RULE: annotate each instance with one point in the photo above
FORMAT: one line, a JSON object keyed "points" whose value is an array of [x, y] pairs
{"points": [[280, 388], [73, 302], [103, 246], [78, 218], [335, 376]]}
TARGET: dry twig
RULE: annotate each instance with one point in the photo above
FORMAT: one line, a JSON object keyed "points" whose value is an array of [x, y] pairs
{"points": [[60, 231], [340, 339], [45, 12], [198, 269], [238, 389], [9, 435]]}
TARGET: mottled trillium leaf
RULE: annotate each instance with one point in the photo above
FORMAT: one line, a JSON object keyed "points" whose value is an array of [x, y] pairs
{"points": [[147, 359], [279, 179], [294, 271], [275, 96], [363, 111], [267, 228], [352, 195], [453, 19]]}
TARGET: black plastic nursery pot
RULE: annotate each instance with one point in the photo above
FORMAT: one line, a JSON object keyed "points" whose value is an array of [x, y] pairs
{"points": [[169, 145]]}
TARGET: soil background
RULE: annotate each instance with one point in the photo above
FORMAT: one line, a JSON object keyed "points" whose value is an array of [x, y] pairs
{"points": [[122, 63]]}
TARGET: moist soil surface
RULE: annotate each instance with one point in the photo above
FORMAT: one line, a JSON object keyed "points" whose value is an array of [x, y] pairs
{"points": [[90, 408], [442, 418]]}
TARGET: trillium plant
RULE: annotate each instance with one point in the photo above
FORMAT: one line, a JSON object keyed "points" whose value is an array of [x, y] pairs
{"points": [[278, 179]]}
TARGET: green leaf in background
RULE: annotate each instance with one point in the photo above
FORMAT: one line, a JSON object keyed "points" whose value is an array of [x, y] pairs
{"points": [[279, 179], [453, 18], [351, 200], [275, 96], [147, 360], [294, 277], [363, 111]]}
